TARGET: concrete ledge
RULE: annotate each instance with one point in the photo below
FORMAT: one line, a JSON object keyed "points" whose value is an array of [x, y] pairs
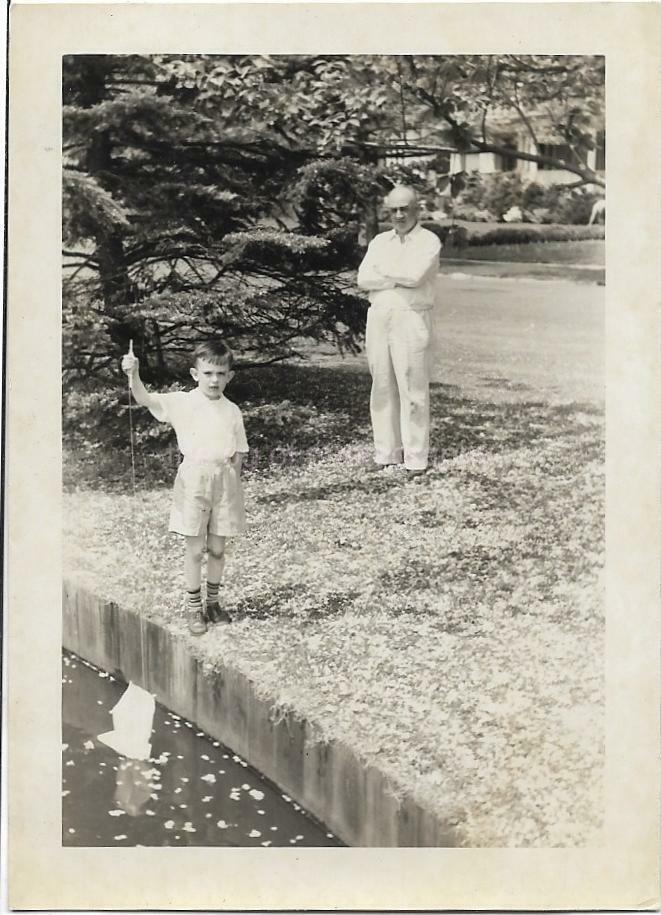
{"points": [[355, 801]]}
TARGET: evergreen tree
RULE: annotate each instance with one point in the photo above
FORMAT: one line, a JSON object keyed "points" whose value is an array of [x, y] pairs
{"points": [[224, 195], [198, 202]]}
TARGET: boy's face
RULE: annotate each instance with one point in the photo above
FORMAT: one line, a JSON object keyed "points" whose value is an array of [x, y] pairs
{"points": [[212, 377]]}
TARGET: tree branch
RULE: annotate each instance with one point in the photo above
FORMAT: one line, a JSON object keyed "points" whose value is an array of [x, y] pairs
{"points": [[526, 120], [481, 146], [87, 257]]}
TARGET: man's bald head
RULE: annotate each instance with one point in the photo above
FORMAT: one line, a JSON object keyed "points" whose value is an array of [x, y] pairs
{"points": [[402, 195], [402, 204]]}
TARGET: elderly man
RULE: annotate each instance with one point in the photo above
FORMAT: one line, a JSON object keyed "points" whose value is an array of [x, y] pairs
{"points": [[399, 272]]}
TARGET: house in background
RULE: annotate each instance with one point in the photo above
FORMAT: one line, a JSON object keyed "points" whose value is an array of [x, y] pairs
{"points": [[545, 143], [505, 131]]}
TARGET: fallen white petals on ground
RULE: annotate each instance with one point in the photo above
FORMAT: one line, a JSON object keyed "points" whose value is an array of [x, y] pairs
{"points": [[450, 632]]}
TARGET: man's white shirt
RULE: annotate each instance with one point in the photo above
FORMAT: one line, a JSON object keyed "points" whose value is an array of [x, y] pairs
{"points": [[401, 270]]}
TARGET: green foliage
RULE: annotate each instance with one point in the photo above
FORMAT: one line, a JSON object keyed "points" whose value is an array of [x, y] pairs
{"points": [[506, 235], [534, 195], [225, 194], [456, 235], [89, 208], [486, 198], [573, 207], [317, 102], [484, 101], [494, 194], [451, 235], [97, 420], [332, 192], [182, 183]]}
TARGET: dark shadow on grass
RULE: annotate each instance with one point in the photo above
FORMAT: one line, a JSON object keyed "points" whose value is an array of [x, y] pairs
{"points": [[270, 606], [369, 484], [458, 422], [490, 380], [327, 409]]}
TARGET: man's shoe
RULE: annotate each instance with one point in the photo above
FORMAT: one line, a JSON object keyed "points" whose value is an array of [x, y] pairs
{"points": [[215, 613], [417, 472], [196, 622], [373, 467]]}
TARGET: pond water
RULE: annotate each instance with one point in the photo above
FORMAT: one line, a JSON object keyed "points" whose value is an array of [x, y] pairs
{"points": [[192, 790]]}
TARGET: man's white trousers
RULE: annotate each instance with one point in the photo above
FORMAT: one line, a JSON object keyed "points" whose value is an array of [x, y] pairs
{"points": [[398, 341]]}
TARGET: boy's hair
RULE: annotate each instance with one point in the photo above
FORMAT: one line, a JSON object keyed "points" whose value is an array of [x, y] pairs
{"points": [[214, 351]]}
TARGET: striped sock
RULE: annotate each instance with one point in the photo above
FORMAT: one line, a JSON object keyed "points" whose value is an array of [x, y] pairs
{"points": [[193, 600], [212, 592]]}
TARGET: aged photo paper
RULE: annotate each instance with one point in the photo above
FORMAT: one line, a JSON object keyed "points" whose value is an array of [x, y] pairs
{"points": [[622, 872]]}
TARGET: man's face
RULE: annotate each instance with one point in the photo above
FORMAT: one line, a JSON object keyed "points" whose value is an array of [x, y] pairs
{"points": [[403, 210], [212, 377]]}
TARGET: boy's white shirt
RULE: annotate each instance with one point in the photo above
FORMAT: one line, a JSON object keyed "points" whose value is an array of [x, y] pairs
{"points": [[206, 430]]}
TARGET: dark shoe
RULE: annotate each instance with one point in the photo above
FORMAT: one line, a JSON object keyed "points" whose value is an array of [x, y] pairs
{"points": [[196, 622], [215, 614], [373, 467], [412, 474]]}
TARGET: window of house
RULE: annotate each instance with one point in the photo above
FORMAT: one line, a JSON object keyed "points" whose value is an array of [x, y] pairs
{"points": [[553, 151], [507, 162]]}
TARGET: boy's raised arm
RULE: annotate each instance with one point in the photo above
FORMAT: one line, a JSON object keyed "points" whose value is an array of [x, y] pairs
{"points": [[131, 366]]}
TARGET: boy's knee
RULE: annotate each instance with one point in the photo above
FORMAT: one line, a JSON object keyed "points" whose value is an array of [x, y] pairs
{"points": [[195, 551], [215, 547], [216, 552]]}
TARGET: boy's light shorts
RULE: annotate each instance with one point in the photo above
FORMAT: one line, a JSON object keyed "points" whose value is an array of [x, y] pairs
{"points": [[207, 497]]}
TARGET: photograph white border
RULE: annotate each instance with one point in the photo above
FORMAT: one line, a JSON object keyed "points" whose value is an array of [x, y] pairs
{"points": [[624, 872]]}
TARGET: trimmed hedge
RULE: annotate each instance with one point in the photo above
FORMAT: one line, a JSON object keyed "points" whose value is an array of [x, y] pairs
{"points": [[518, 234]]}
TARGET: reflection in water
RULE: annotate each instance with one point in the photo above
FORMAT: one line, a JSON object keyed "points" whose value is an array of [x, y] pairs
{"points": [[134, 785], [132, 721], [192, 791]]}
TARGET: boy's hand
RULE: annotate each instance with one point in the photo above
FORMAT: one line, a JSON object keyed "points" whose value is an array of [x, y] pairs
{"points": [[130, 363]]}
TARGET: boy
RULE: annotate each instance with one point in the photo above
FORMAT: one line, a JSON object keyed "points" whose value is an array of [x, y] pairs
{"points": [[207, 503]]}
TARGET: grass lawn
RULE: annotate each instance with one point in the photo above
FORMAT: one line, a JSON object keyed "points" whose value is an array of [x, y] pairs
{"points": [[450, 630]]}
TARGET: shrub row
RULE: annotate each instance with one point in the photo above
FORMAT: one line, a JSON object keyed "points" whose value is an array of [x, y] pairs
{"points": [[460, 236], [487, 198]]}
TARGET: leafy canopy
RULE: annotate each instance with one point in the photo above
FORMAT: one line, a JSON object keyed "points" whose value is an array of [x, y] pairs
{"points": [[209, 195]]}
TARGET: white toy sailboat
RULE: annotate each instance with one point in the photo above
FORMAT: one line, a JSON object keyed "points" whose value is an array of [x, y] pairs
{"points": [[132, 719]]}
